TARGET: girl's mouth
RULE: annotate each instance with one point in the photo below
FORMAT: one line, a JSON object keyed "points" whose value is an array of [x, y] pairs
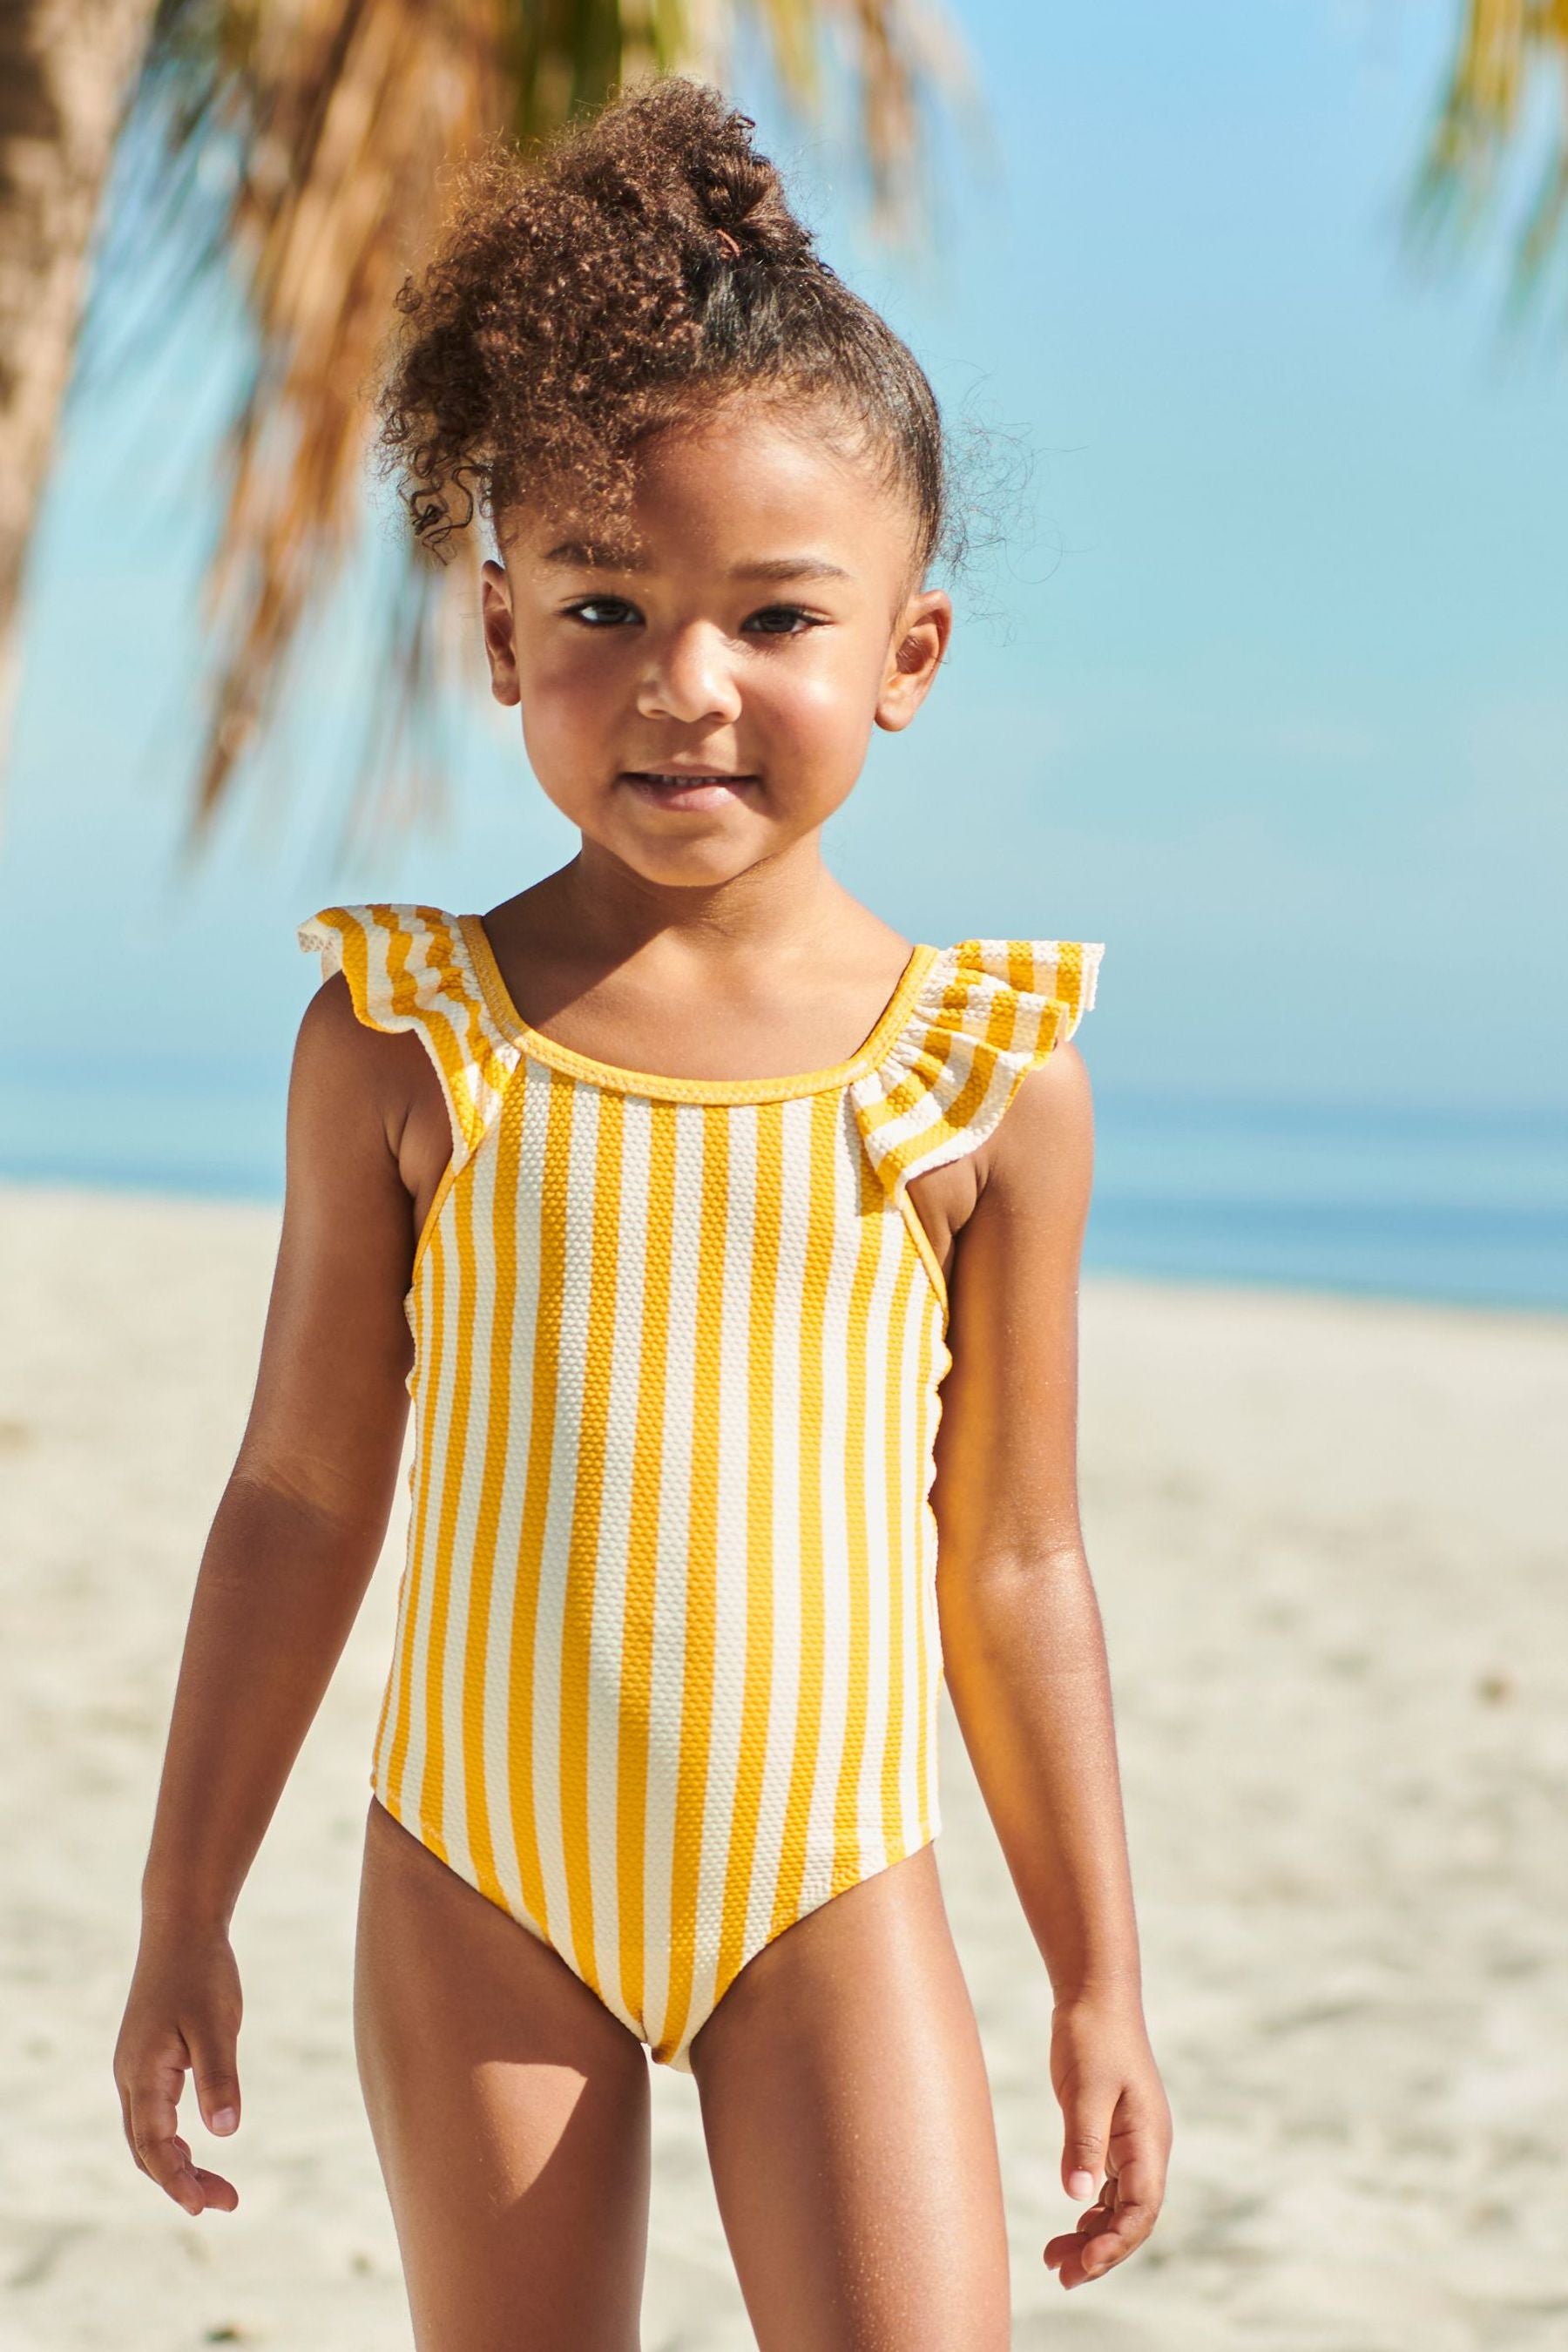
{"points": [[694, 789]]}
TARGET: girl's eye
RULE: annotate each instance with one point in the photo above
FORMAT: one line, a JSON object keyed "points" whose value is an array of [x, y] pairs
{"points": [[593, 611], [777, 620]]}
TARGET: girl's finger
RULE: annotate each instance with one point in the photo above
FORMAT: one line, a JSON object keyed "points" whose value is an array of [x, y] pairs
{"points": [[1088, 2122], [163, 2157], [215, 2189], [216, 2079], [1131, 2226], [221, 2195], [1139, 2178], [125, 2123]]}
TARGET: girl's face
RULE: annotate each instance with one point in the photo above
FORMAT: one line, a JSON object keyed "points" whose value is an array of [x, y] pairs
{"points": [[704, 700]]}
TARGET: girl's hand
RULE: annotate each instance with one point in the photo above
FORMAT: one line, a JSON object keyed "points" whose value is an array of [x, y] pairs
{"points": [[1118, 2123], [183, 2011]]}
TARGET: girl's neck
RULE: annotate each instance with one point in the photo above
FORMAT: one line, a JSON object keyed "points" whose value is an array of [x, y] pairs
{"points": [[598, 911]]}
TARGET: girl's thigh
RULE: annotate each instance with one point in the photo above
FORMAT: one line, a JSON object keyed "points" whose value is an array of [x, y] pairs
{"points": [[509, 2111], [851, 2131]]}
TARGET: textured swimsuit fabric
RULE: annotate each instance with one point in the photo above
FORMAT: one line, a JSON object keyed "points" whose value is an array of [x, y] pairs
{"points": [[667, 1668]]}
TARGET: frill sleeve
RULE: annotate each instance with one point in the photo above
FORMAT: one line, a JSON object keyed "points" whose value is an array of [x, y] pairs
{"points": [[988, 1012], [410, 966]]}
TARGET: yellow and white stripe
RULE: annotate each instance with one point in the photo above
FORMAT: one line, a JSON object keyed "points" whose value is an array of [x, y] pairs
{"points": [[667, 1663]]}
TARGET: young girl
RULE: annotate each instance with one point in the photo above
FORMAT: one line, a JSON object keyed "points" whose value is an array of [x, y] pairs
{"points": [[677, 1192]]}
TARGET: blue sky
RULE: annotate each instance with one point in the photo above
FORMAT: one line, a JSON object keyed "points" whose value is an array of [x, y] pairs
{"points": [[1272, 697]]}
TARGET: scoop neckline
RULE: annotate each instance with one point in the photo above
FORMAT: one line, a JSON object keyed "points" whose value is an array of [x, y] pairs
{"points": [[613, 1078]]}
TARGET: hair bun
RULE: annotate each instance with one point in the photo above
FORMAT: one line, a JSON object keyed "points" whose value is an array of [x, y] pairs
{"points": [[740, 195], [676, 147]]}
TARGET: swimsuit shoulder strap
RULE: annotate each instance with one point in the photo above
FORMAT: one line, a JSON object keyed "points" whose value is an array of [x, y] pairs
{"points": [[410, 966], [988, 1011]]}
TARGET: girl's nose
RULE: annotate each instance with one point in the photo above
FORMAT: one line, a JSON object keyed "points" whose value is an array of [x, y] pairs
{"points": [[689, 677]]}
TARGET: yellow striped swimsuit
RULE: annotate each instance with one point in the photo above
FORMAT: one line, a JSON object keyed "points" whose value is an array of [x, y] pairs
{"points": [[667, 1665]]}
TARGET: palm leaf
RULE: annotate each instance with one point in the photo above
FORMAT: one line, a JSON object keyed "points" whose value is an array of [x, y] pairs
{"points": [[334, 124], [1508, 49]]}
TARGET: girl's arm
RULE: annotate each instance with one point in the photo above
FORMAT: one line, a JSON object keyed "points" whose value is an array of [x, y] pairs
{"points": [[296, 1536], [1025, 1653]]}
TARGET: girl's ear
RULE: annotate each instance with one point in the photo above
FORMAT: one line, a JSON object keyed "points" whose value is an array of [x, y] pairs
{"points": [[920, 641], [500, 644]]}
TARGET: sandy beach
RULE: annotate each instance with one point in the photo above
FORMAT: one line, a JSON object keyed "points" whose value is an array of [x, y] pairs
{"points": [[1329, 1547]]}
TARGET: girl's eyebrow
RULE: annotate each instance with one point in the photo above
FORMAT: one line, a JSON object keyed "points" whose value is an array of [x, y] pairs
{"points": [[580, 557], [791, 567]]}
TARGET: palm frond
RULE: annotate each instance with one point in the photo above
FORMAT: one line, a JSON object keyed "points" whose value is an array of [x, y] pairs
{"points": [[333, 124], [334, 120], [1507, 52]]}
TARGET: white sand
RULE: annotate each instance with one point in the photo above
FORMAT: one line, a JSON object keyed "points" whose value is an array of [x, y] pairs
{"points": [[1328, 1546]]}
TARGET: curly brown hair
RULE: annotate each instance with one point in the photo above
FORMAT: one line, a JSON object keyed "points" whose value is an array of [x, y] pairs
{"points": [[646, 262]]}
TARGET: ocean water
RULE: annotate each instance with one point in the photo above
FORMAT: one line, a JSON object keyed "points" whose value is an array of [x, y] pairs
{"points": [[1434, 1204], [1444, 1204]]}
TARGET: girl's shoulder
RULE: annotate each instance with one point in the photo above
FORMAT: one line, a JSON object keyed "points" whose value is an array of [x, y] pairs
{"points": [[405, 963], [987, 1010], [418, 967]]}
